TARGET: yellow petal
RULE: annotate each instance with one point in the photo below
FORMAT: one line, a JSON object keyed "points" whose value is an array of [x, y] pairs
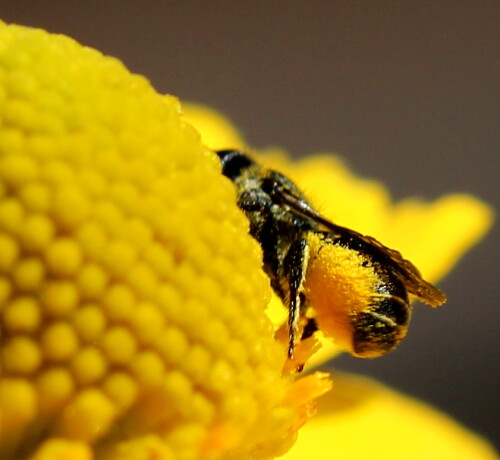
{"points": [[449, 227], [362, 419], [218, 132]]}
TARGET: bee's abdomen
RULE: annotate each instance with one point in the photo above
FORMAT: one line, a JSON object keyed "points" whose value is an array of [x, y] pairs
{"points": [[381, 327]]}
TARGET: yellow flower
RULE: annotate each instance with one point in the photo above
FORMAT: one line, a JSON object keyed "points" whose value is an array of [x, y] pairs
{"points": [[132, 300]]}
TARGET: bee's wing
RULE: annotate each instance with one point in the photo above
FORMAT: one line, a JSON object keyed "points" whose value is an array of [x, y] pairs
{"points": [[414, 283]]}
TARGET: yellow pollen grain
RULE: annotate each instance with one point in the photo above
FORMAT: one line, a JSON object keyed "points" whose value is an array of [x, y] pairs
{"points": [[139, 234], [147, 323], [109, 216], [54, 388], [3, 92], [59, 341], [60, 449], [36, 197], [209, 289], [57, 172], [160, 259], [63, 256], [93, 182], [186, 438], [18, 403], [196, 363], [20, 355], [89, 322], [16, 169], [92, 239], [151, 446], [9, 252], [170, 301], [40, 146], [221, 375], [121, 389], [11, 140], [20, 83], [216, 335], [228, 308], [202, 408], [48, 123], [29, 273], [239, 407], [71, 205], [87, 416], [11, 215], [126, 195], [142, 279], [118, 302], [219, 270], [22, 315], [148, 368], [120, 257], [18, 112], [119, 345], [181, 277], [172, 344], [5, 291], [36, 231], [88, 365], [178, 387], [236, 353], [59, 298], [91, 280], [194, 314]]}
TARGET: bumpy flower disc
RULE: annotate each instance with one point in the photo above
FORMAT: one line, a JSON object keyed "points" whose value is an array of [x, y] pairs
{"points": [[131, 294]]}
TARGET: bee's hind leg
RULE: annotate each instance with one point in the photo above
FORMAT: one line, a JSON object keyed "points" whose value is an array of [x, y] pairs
{"points": [[295, 265]]}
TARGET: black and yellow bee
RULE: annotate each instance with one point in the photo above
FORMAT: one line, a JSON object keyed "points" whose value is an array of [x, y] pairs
{"points": [[351, 287]]}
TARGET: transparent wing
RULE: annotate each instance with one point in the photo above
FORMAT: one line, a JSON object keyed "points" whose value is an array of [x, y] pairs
{"points": [[414, 283]]}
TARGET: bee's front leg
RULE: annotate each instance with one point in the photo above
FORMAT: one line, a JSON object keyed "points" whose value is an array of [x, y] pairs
{"points": [[295, 266]]}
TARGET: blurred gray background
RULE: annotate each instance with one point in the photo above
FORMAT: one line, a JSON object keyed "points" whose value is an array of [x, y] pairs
{"points": [[407, 91]]}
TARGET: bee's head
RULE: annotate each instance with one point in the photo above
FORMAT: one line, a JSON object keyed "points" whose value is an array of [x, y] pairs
{"points": [[358, 304]]}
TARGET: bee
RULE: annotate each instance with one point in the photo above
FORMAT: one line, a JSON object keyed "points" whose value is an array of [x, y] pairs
{"points": [[350, 286]]}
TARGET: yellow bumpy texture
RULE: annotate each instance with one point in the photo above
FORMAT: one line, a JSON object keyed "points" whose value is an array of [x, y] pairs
{"points": [[131, 295]]}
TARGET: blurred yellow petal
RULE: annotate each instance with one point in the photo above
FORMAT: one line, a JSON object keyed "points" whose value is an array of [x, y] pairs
{"points": [[451, 226], [361, 419], [218, 132]]}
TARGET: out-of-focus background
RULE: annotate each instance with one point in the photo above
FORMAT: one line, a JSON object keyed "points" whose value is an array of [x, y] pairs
{"points": [[408, 92]]}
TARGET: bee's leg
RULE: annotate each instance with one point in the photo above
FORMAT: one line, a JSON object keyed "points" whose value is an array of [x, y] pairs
{"points": [[309, 329], [295, 265]]}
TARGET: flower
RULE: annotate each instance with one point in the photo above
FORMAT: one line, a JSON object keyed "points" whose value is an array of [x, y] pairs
{"points": [[132, 300]]}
